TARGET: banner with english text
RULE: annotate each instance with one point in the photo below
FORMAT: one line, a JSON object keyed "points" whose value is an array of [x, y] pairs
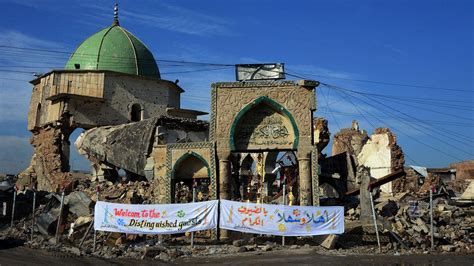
{"points": [[281, 220], [155, 218]]}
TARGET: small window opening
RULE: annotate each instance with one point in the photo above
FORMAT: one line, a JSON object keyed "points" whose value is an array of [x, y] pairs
{"points": [[136, 113]]}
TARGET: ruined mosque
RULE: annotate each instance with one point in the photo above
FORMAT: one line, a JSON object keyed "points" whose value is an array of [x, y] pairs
{"points": [[261, 133]]}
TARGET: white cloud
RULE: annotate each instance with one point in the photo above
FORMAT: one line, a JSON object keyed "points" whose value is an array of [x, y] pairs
{"points": [[172, 18], [18, 39]]}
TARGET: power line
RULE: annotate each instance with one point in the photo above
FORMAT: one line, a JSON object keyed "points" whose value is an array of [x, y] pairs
{"points": [[404, 122], [387, 83], [368, 121], [416, 140], [441, 122], [418, 107], [114, 57], [30, 49], [468, 139], [335, 120], [163, 73]]}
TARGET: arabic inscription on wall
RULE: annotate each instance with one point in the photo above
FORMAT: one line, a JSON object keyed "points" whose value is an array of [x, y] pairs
{"points": [[263, 128]]}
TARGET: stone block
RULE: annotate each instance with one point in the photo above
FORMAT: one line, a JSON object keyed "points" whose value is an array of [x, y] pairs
{"points": [[78, 203], [330, 241]]}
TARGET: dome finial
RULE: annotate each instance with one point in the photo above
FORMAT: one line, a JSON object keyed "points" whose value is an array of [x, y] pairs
{"points": [[116, 20]]}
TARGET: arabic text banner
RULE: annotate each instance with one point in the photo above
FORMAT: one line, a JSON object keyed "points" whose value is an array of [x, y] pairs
{"points": [[156, 218], [281, 219]]}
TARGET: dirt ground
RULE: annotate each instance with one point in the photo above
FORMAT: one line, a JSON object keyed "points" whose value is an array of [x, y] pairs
{"points": [[26, 256]]}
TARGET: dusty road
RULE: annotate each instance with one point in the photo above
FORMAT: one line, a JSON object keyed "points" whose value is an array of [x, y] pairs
{"points": [[26, 256]]}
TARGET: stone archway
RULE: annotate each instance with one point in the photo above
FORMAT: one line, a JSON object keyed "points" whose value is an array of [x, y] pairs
{"points": [[263, 122], [191, 169]]}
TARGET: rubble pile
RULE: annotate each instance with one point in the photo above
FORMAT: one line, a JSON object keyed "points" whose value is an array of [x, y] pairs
{"points": [[75, 229], [453, 226], [132, 192]]}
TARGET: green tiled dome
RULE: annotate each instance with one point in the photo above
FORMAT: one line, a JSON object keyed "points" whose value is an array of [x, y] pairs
{"points": [[115, 49]]}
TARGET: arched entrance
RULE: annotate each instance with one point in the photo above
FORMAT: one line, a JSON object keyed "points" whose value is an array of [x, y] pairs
{"points": [[263, 125], [265, 134], [190, 170], [266, 116]]}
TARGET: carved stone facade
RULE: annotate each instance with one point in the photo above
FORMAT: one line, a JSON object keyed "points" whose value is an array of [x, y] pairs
{"points": [[263, 116], [293, 101]]}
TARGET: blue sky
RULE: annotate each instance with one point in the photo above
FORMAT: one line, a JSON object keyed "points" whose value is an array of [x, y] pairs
{"points": [[425, 43]]}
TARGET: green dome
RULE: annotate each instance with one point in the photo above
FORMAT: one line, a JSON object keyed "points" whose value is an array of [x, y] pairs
{"points": [[115, 49]]}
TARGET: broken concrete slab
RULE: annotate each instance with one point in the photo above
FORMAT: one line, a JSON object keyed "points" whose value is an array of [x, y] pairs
{"points": [[107, 144], [329, 241], [47, 222], [468, 194], [79, 203]]}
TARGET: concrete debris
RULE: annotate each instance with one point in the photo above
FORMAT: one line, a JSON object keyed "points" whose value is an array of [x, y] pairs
{"points": [[330, 241], [403, 214], [106, 144], [49, 165], [349, 140], [46, 222], [453, 225], [321, 135], [238, 242], [389, 208], [79, 203], [468, 193]]}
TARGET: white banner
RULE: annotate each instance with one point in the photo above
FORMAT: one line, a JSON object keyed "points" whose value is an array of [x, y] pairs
{"points": [[281, 219], [156, 218]]}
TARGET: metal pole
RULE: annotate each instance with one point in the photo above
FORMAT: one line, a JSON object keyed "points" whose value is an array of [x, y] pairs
{"points": [[59, 216], [375, 219], [13, 205], [95, 232], [87, 232], [194, 200], [33, 215], [284, 203], [431, 218]]}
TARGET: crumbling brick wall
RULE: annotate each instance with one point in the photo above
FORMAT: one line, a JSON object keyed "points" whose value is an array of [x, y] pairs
{"points": [[321, 135], [397, 156], [48, 167], [349, 140]]}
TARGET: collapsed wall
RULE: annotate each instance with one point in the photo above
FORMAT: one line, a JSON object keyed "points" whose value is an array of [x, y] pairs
{"points": [[464, 175], [382, 155], [321, 134], [349, 140], [50, 163], [130, 147], [352, 148], [125, 146]]}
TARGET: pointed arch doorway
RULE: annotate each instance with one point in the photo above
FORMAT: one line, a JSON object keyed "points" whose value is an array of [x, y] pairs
{"points": [[190, 171]]}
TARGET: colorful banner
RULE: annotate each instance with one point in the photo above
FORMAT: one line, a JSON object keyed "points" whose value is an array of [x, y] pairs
{"points": [[281, 219], [155, 219]]}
